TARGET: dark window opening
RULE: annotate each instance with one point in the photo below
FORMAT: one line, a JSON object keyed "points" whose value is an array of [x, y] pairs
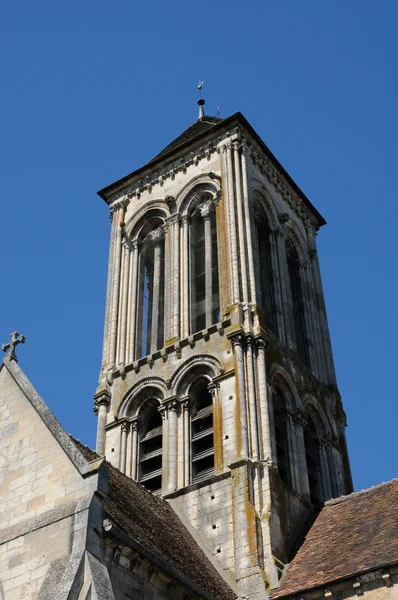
{"points": [[202, 441], [151, 451], [313, 467], [297, 304], [266, 282], [281, 437]]}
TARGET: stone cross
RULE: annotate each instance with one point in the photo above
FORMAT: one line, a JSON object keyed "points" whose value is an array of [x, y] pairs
{"points": [[16, 339]]}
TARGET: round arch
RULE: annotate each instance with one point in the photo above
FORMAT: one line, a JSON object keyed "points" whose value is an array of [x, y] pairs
{"points": [[262, 200], [150, 211], [193, 368], [149, 387], [192, 192], [280, 378]]}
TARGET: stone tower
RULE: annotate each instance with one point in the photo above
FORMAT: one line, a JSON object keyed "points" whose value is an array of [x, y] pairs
{"points": [[217, 388]]}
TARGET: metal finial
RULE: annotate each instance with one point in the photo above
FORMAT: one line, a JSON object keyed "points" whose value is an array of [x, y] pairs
{"points": [[218, 112], [201, 101], [16, 339]]}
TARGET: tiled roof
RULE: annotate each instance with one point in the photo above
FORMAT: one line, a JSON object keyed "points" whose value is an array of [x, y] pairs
{"points": [[150, 521], [200, 127], [352, 534]]}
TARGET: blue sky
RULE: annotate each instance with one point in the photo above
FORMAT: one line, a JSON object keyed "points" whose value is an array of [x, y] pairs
{"points": [[92, 90]]}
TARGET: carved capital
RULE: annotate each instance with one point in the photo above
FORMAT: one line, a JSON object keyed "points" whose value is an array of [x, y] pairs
{"points": [[213, 389], [286, 416], [171, 404], [261, 344], [299, 418], [173, 219], [237, 339], [121, 204], [205, 209], [135, 425], [102, 398], [283, 218], [157, 235], [185, 402], [125, 427]]}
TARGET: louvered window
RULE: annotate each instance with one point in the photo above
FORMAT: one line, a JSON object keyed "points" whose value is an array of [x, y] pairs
{"points": [[151, 452], [202, 433], [313, 467]]}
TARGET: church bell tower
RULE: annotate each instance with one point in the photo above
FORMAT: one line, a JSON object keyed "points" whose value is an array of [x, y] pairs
{"points": [[217, 387]]}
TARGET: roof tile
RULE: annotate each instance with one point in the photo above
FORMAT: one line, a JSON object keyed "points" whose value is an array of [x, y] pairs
{"points": [[352, 534]]}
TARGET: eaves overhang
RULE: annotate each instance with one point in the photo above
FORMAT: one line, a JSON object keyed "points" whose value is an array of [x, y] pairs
{"points": [[237, 119]]}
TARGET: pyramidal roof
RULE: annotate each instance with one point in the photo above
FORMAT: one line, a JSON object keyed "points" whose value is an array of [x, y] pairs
{"points": [[200, 127]]}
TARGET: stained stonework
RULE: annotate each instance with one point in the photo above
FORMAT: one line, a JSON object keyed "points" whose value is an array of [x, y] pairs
{"points": [[214, 288], [63, 528]]}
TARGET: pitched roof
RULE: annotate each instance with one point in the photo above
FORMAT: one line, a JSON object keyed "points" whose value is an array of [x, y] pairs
{"points": [[352, 534], [199, 128], [193, 134], [151, 521]]}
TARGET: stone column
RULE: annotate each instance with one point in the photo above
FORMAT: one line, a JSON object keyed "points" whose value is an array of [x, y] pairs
{"points": [[264, 402], [291, 449], [168, 265], [124, 304], [300, 421], [251, 392], [185, 404], [323, 449], [325, 346], [185, 282], [176, 278], [285, 287], [173, 272], [101, 407], [249, 226], [232, 228], [277, 290], [171, 410], [205, 212], [119, 217], [132, 307], [241, 224], [135, 427], [157, 238], [105, 345], [237, 341], [125, 426], [309, 325], [231, 280]]}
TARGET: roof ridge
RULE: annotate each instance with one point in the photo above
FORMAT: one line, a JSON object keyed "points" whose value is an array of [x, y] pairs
{"points": [[340, 499]]}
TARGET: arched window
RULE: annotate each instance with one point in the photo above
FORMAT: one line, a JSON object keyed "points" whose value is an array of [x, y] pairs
{"points": [[266, 290], [281, 435], [150, 307], [204, 292], [296, 303], [202, 444], [150, 451], [313, 462]]}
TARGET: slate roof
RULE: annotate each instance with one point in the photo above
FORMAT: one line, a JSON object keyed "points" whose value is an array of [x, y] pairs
{"points": [[152, 523], [352, 534], [197, 129], [193, 134]]}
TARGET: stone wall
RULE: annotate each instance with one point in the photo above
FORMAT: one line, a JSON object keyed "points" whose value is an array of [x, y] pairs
{"points": [[43, 500]]}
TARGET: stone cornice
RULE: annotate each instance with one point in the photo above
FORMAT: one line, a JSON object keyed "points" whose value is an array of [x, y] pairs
{"points": [[158, 177]]}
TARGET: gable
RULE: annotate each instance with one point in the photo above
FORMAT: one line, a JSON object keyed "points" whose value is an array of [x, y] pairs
{"points": [[36, 474]]}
